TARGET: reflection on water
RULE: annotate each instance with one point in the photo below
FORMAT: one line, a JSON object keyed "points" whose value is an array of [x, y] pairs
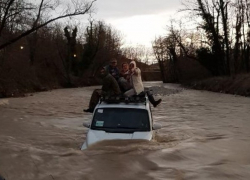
{"points": [[204, 136]]}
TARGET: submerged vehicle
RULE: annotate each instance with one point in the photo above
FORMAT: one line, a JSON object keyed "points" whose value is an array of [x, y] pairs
{"points": [[120, 118]]}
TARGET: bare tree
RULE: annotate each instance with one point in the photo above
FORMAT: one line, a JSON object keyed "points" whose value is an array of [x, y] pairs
{"points": [[138, 53], [214, 15], [75, 8], [239, 23], [161, 54], [247, 42], [102, 42], [223, 6]]}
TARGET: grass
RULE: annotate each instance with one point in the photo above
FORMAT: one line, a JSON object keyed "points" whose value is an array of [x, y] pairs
{"points": [[237, 85]]}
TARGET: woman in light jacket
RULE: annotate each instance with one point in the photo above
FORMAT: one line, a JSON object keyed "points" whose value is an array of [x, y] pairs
{"points": [[137, 85], [135, 80]]}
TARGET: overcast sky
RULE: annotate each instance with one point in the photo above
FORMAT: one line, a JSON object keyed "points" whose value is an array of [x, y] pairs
{"points": [[138, 20]]}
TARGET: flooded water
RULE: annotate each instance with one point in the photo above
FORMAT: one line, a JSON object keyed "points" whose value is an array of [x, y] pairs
{"points": [[205, 135]]}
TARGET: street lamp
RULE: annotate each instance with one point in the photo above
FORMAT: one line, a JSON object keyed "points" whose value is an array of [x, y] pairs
{"points": [[21, 47], [74, 55]]}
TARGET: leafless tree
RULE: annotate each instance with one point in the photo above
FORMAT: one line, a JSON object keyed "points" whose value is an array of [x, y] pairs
{"points": [[138, 53], [162, 55], [33, 15]]}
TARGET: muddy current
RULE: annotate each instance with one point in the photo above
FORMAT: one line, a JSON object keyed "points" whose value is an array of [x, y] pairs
{"points": [[204, 135]]}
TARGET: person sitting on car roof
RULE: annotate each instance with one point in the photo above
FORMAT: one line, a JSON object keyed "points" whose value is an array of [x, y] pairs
{"points": [[110, 87], [137, 85], [135, 80], [113, 69], [124, 78]]}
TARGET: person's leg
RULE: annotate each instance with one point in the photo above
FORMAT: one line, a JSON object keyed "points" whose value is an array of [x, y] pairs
{"points": [[93, 100], [129, 93], [152, 100], [124, 84]]}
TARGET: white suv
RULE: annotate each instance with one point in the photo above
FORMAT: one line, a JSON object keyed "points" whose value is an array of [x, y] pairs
{"points": [[120, 118]]}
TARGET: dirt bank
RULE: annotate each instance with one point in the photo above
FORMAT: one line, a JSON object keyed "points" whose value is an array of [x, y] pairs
{"points": [[23, 87], [238, 84]]}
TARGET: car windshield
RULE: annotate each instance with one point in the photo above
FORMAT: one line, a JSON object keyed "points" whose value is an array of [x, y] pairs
{"points": [[121, 120]]}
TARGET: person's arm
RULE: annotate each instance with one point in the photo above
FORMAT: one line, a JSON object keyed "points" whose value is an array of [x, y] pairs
{"points": [[127, 75], [111, 86], [106, 84], [137, 72], [115, 87], [122, 74], [117, 74]]}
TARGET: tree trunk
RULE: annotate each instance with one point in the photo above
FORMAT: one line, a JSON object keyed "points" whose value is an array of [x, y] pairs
{"points": [[224, 15]]}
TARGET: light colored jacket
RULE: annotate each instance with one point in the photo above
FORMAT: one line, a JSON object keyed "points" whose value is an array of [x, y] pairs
{"points": [[135, 79]]}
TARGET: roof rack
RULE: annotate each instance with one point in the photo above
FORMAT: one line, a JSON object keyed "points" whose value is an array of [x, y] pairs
{"points": [[127, 100]]}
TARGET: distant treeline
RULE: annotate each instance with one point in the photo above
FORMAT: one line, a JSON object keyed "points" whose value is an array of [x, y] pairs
{"points": [[214, 40], [37, 53]]}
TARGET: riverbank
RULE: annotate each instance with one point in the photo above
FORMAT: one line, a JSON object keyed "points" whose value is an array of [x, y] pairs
{"points": [[25, 87], [237, 85]]}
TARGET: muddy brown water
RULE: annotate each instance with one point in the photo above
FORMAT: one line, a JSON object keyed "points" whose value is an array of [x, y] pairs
{"points": [[205, 135]]}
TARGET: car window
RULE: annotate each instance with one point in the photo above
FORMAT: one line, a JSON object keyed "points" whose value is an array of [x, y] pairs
{"points": [[121, 119]]}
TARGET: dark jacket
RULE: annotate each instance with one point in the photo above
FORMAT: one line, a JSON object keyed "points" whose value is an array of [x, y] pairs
{"points": [[110, 85], [113, 71]]}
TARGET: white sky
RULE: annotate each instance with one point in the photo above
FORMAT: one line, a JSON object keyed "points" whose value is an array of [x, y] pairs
{"points": [[140, 21]]}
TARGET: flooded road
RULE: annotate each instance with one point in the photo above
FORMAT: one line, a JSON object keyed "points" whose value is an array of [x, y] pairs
{"points": [[205, 135]]}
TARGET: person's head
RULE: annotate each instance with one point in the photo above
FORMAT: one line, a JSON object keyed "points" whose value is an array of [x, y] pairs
{"points": [[113, 62], [103, 71], [132, 65], [125, 66]]}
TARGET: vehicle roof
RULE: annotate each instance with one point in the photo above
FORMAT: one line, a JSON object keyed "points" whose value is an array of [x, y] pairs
{"points": [[122, 105], [136, 102]]}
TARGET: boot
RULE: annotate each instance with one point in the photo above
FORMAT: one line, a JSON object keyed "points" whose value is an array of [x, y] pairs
{"points": [[152, 100], [157, 102], [88, 110]]}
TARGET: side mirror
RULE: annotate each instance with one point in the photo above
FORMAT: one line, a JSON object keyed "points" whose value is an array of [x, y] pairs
{"points": [[86, 124], [156, 126]]}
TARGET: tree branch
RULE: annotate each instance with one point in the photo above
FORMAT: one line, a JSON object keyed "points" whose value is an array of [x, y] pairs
{"points": [[39, 14], [5, 16], [26, 33]]}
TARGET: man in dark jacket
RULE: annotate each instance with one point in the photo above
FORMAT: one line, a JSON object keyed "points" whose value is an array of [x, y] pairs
{"points": [[113, 69], [109, 87]]}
